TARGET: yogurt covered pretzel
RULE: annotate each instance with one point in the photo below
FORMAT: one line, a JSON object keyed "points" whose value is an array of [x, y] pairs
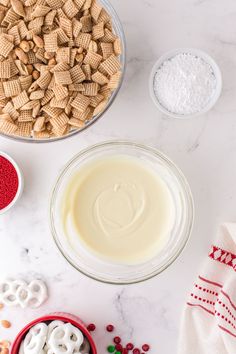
{"points": [[32, 295], [52, 325], [8, 290], [35, 339], [55, 338], [18, 292], [65, 339]]}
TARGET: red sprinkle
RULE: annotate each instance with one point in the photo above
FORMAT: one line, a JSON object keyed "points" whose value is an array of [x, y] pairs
{"points": [[8, 182], [91, 327], [136, 351], [110, 328], [129, 346], [145, 347], [117, 340], [119, 347]]}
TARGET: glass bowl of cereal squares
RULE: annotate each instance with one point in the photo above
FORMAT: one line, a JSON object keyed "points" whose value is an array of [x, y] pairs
{"points": [[62, 64]]}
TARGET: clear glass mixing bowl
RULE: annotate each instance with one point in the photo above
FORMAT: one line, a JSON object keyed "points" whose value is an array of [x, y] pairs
{"points": [[109, 272], [118, 29]]}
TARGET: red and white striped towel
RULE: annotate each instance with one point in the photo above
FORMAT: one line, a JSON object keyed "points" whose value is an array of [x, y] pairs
{"points": [[209, 321]]}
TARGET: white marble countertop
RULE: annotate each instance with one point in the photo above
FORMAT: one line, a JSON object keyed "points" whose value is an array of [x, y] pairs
{"points": [[204, 148]]}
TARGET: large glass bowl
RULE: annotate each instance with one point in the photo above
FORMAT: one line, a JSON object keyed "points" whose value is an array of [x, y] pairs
{"points": [[109, 272], [118, 29]]}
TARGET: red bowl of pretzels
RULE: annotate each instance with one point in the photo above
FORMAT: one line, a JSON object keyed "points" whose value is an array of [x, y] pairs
{"points": [[57, 333]]}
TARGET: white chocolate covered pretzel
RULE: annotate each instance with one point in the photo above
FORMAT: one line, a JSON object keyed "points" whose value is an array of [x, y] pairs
{"points": [[65, 339], [18, 292], [8, 290], [55, 338], [52, 325], [36, 294], [35, 339]]}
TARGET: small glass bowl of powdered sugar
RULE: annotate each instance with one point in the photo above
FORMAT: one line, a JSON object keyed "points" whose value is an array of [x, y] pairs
{"points": [[185, 83]]}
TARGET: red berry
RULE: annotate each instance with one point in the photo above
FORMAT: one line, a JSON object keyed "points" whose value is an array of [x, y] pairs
{"points": [[125, 351], [145, 347], [91, 327], [129, 346], [117, 340], [136, 351], [110, 328]]}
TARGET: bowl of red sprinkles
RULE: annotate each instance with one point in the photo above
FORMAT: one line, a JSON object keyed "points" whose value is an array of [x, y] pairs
{"points": [[11, 182]]}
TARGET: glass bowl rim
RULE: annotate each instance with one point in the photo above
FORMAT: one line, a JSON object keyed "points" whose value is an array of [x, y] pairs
{"points": [[174, 168], [73, 133]]}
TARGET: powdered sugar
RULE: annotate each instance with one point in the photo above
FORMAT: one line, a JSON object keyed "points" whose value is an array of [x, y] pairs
{"points": [[185, 84]]}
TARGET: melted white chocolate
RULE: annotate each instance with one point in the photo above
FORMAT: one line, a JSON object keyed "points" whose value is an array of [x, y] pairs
{"points": [[119, 209]]}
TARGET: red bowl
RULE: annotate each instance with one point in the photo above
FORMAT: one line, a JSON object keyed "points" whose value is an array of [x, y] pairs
{"points": [[62, 316]]}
